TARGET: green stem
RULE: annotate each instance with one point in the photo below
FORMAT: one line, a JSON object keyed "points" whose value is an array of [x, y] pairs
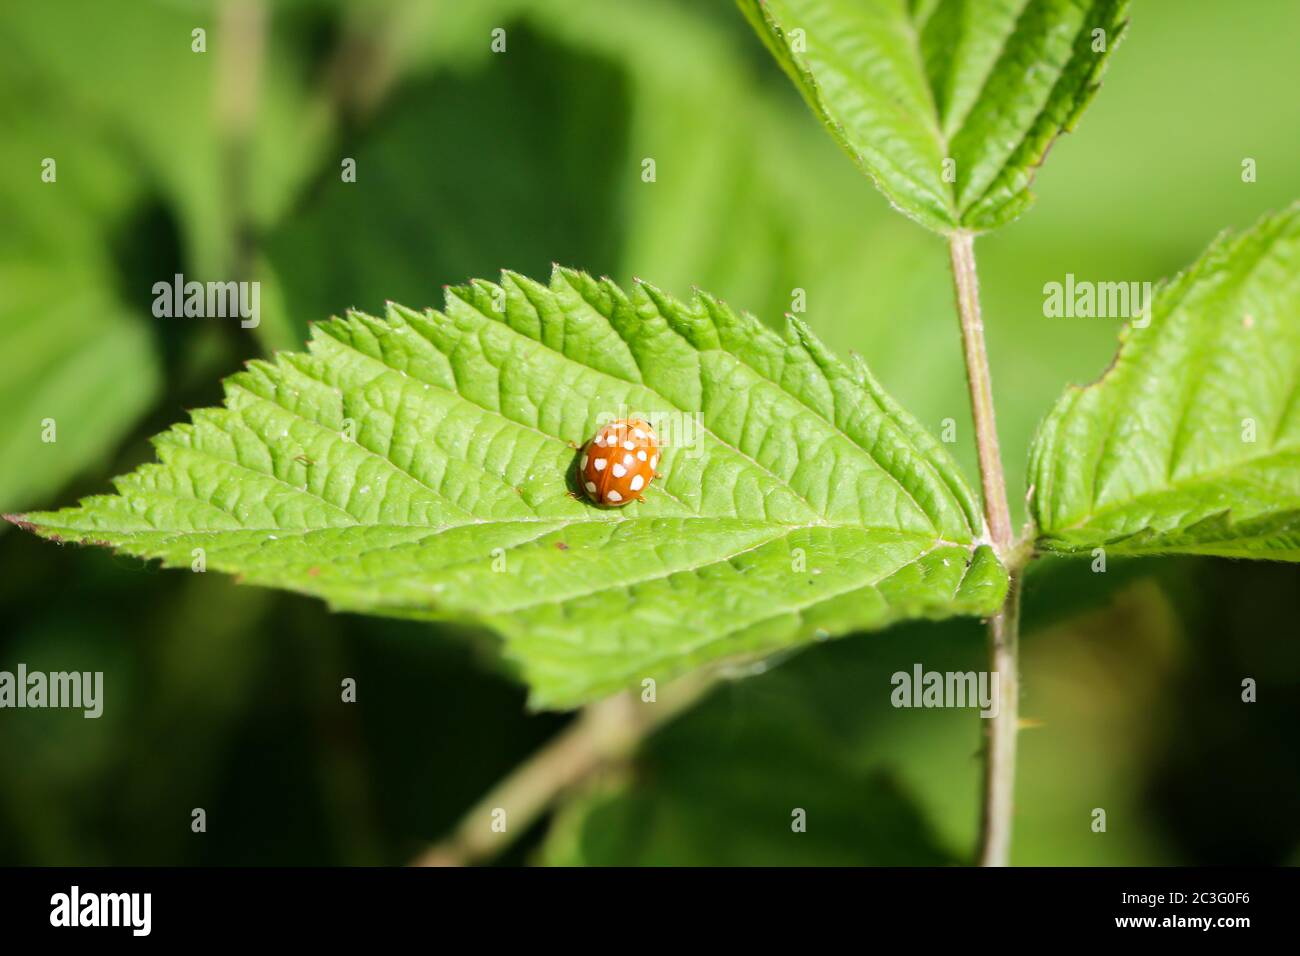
{"points": [[997, 514], [1004, 628], [1000, 753]]}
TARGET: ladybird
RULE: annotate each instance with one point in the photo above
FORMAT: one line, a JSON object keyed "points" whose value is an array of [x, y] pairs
{"points": [[619, 462]]}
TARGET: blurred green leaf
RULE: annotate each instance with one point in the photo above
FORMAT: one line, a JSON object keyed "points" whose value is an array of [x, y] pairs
{"points": [[151, 63], [726, 806], [908, 87], [400, 460], [503, 193], [64, 399], [1190, 442], [81, 366]]}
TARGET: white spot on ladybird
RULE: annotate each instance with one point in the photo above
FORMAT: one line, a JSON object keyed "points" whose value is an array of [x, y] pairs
{"points": [[613, 496], [654, 462], [638, 481], [591, 487], [619, 471], [627, 461], [640, 453], [628, 445], [584, 462], [600, 464]]}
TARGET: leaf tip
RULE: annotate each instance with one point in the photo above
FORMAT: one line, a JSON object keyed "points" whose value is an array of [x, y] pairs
{"points": [[25, 522], [20, 521], [802, 333]]}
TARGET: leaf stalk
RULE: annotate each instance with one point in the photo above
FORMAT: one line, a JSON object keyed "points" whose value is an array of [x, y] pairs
{"points": [[1004, 627]]}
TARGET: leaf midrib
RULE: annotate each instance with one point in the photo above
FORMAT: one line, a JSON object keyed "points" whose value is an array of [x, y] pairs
{"points": [[385, 369], [1180, 485], [172, 533]]}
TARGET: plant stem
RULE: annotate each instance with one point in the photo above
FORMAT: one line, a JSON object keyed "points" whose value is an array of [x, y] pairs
{"points": [[961, 248], [240, 58], [1004, 628], [604, 733], [1000, 755]]}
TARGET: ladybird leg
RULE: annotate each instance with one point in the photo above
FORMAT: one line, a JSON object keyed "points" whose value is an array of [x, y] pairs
{"points": [[572, 444], [574, 495], [639, 497]]}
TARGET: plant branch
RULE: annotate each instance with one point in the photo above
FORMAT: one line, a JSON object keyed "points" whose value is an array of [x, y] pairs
{"points": [[603, 733], [1004, 628]]}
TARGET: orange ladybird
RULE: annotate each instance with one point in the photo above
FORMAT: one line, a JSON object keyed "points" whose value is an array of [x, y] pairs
{"points": [[619, 463]]}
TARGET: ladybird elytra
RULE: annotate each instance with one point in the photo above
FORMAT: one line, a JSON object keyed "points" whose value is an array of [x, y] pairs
{"points": [[619, 463]]}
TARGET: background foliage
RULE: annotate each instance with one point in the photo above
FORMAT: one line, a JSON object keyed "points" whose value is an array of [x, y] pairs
{"points": [[227, 697]]}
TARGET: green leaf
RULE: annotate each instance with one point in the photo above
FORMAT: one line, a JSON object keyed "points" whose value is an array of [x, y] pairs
{"points": [[806, 504], [723, 808], [80, 361], [1190, 442], [81, 370], [908, 85]]}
